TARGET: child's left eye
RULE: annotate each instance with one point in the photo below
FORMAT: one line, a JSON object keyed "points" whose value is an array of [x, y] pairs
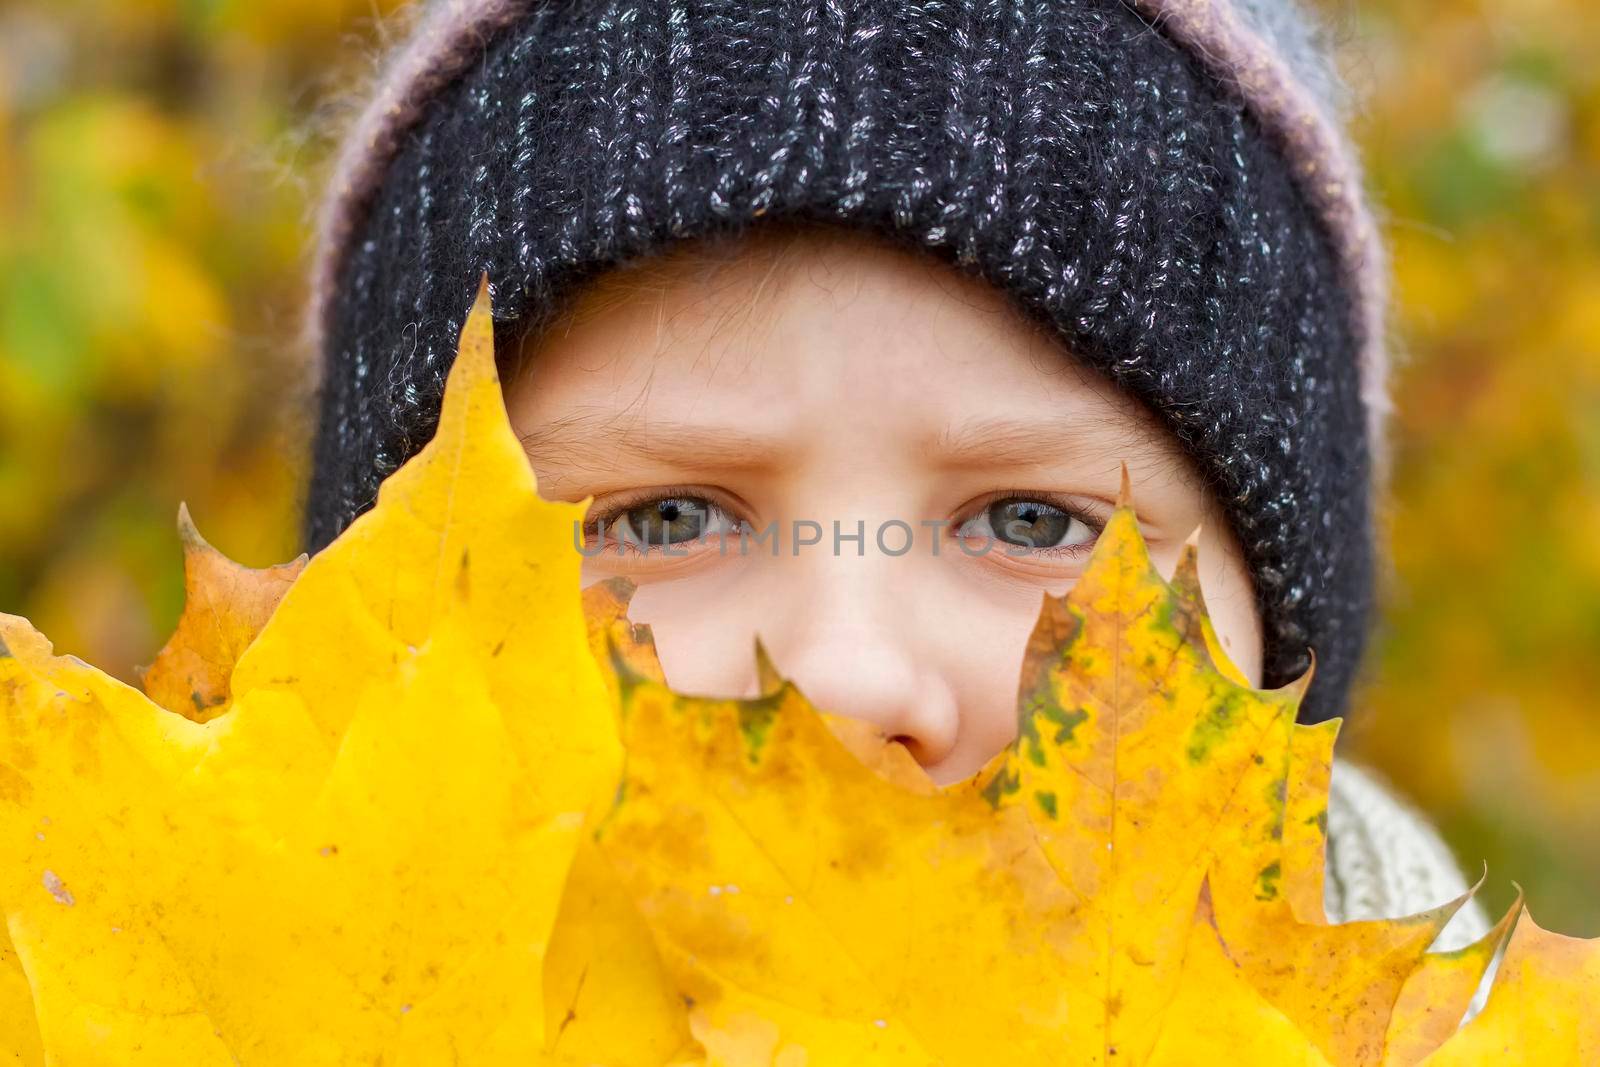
{"points": [[1031, 524]]}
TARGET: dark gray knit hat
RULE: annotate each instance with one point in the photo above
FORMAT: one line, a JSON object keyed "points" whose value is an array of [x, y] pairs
{"points": [[1165, 182]]}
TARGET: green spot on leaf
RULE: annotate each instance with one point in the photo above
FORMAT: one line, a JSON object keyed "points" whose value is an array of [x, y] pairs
{"points": [[755, 723], [1277, 797], [1028, 730], [1004, 783], [1067, 723], [1219, 721], [1267, 881]]}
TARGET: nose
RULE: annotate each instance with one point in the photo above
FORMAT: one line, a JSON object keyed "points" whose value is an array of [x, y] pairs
{"points": [[850, 647]]}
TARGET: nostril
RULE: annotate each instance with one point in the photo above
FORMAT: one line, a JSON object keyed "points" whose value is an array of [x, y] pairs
{"points": [[918, 750]]}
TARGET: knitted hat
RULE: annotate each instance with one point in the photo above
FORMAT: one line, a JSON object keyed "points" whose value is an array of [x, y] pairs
{"points": [[1164, 182]]}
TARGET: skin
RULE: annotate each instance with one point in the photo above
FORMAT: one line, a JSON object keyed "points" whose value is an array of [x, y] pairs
{"points": [[816, 374]]}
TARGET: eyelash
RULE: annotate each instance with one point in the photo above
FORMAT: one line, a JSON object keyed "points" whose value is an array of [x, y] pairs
{"points": [[633, 498], [1094, 516]]}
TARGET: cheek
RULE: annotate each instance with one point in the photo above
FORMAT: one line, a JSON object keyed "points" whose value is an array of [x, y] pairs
{"points": [[936, 628], [982, 658], [705, 624], [1240, 634], [1230, 601]]}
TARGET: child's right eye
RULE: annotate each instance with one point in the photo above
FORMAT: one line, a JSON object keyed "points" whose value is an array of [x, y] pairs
{"points": [[657, 520]]}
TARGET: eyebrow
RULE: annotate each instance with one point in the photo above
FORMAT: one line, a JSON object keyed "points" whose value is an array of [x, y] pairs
{"points": [[1033, 441], [693, 444], [604, 440]]}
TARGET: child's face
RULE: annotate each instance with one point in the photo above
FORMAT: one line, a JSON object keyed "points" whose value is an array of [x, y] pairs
{"points": [[822, 379]]}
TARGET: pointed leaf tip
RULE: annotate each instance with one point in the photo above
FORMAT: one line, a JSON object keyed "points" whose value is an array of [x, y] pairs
{"points": [[1472, 890], [1186, 575], [482, 310], [475, 351], [1500, 932], [1439, 993], [622, 588], [768, 678], [1299, 686], [188, 533], [225, 606], [1125, 490]]}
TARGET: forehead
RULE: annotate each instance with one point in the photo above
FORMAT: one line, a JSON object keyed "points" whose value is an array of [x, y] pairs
{"points": [[816, 330]]}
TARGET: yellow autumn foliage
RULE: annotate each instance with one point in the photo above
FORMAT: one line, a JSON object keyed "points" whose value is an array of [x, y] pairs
{"points": [[426, 801]]}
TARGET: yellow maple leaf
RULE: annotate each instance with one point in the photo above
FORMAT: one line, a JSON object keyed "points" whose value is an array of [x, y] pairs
{"points": [[421, 822], [364, 856], [1544, 1007], [808, 905]]}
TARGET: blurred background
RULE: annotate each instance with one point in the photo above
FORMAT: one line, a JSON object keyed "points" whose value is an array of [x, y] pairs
{"points": [[157, 159]]}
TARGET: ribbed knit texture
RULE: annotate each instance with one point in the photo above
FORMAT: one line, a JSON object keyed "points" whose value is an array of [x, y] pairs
{"points": [[1064, 150], [1385, 861]]}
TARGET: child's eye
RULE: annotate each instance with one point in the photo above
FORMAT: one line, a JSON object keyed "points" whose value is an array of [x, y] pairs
{"points": [[1032, 524], [659, 520]]}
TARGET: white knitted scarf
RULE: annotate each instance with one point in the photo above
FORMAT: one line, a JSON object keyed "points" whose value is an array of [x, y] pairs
{"points": [[1385, 861]]}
